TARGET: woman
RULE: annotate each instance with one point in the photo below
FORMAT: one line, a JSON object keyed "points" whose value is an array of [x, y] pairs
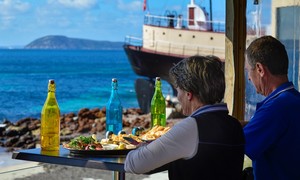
{"points": [[209, 143]]}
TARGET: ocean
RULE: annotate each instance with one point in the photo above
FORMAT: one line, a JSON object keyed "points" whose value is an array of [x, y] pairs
{"points": [[83, 80]]}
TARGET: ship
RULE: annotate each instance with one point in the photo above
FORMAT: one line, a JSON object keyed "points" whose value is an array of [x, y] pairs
{"points": [[168, 39]]}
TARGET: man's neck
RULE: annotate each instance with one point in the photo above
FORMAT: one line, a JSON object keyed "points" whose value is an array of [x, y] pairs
{"points": [[274, 82]]}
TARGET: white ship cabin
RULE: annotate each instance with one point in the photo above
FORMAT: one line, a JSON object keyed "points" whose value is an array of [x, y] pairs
{"points": [[182, 35]]}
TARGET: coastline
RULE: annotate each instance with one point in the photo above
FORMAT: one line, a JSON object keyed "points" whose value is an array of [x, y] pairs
{"points": [[25, 133]]}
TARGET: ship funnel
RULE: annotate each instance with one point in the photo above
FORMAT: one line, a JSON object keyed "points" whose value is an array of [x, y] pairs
{"points": [[197, 17]]}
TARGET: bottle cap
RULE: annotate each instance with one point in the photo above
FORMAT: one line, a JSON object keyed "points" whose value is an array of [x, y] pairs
{"points": [[114, 80], [157, 78], [51, 81]]}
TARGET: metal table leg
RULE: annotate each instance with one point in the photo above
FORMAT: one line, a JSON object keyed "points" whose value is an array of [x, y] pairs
{"points": [[118, 175]]}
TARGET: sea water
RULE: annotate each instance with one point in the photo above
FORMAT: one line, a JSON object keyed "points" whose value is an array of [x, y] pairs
{"points": [[83, 80]]}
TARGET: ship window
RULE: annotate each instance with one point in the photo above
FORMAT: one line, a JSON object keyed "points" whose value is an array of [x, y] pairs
{"points": [[211, 38], [179, 35], [193, 36], [164, 33]]}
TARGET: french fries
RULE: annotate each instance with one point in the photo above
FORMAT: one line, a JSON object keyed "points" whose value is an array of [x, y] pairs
{"points": [[119, 139], [155, 133]]}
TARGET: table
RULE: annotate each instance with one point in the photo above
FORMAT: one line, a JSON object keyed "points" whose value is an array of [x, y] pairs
{"points": [[62, 157]]}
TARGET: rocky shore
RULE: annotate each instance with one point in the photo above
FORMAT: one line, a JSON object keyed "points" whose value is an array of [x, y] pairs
{"points": [[25, 133]]}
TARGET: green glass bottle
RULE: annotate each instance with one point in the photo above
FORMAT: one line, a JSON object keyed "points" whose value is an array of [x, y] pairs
{"points": [[50, 121], [158, 106]]}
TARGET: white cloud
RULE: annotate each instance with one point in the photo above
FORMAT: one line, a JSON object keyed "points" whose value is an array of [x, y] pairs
{"points": [[21, 6], [48, 17], [10, 9], [13, 6], [130, 6], [77, 4]]}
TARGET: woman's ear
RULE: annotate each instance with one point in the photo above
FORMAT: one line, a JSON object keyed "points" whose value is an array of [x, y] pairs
{"points": [[189, 95]]}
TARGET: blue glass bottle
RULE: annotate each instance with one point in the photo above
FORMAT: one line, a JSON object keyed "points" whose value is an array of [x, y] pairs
{"points": [[114, 110]]}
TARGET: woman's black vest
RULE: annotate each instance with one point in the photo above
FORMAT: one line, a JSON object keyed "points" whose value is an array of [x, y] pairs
{"points": [[220, 151]]}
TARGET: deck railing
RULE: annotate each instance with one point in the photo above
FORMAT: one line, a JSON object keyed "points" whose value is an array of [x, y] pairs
{"points": [[180, 49], [172, 21], [134, 41]]}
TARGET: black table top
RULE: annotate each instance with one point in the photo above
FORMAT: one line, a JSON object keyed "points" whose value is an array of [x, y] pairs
{"points": [[63, 157]]}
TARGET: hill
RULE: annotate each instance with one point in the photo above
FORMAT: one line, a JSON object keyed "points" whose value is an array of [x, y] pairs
{"points": [[63, 42]]}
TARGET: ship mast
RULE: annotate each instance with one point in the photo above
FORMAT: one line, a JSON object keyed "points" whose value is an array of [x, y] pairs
{"points": [[210, 13]]}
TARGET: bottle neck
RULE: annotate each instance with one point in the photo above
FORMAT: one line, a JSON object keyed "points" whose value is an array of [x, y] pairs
{"points": [[114, 89], [51, 94], [51, 90], [114, 86], [157, 86]]}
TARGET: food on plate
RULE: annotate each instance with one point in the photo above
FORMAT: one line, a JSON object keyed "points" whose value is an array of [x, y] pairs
{"points": [[84, 143], [154, 133], [117, 139], [113, 141], [110, 146]]}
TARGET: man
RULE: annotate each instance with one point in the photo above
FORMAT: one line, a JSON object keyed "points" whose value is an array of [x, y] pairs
{"points": [[273, 133]]}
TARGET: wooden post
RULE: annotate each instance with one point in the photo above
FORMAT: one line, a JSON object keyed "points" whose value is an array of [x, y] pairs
{"points": [[235, 43]]}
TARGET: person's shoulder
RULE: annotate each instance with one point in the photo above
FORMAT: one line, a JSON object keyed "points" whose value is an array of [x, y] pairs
{"points": [[292, 94], [184, 124], [234, 119], [291, 97]]}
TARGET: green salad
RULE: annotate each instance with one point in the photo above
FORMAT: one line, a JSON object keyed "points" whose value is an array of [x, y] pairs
{"points": [[84, 143]]}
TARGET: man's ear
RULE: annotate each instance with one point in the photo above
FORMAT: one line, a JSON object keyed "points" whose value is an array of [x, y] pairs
{"points": [[260, 68]]}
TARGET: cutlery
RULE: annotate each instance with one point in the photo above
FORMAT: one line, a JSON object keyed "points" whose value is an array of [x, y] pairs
{"points": [[131, 140]]}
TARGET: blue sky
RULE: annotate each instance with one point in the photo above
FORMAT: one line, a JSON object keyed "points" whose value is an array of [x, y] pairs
{"points": [[22, 21]]}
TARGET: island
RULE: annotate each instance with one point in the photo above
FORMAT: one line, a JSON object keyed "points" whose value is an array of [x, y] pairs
{"points": [[64, 43]]}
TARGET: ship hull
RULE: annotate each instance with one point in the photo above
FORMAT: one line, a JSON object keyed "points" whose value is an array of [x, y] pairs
{"points": [[150, 64]]}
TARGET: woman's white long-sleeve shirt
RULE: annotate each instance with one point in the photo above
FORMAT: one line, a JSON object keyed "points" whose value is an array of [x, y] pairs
{"points": [[181, 141]]}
